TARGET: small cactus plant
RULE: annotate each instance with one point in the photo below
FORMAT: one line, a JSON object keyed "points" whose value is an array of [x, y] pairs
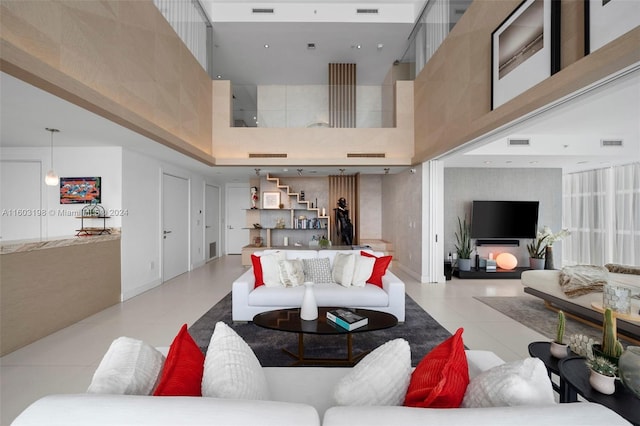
{"points": [[611, 346], [603, 366], [561, 325]]}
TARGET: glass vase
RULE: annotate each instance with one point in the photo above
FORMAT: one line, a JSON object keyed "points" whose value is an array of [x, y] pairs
{"points": [[629, 369]]}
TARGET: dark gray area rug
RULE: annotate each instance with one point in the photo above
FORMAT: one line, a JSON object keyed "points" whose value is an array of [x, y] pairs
{"points": [[421, 331], [531, 312]]}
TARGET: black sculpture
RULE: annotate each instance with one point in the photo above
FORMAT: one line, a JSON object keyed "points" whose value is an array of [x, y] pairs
{"points": [[345, 228]]}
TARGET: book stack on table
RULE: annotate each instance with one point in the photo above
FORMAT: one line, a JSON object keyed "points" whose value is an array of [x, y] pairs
{"points": [[347, 319]]}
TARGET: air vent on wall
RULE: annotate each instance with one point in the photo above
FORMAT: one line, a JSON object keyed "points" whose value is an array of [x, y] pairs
{"points": [[611, 142], [261, 10], [367, 11], [519, 142], [267, 155], [371, 155]]}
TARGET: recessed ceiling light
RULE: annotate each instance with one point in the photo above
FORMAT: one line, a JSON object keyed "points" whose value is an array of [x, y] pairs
{"points": [[285, 170], [380, 46], [487, 162], [218, 76], [533, 162], [266, 46], [356, 46]]}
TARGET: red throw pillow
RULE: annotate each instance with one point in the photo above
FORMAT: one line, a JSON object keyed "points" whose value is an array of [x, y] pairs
{"points": [[257, 270], [379, 268], [183, 369], [441, 378]]}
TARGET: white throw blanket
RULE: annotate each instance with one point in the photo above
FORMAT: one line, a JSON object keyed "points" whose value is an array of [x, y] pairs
{"points": [[582, 279]]}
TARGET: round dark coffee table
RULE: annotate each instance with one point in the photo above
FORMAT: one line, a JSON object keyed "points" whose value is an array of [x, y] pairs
{"points": [[289, 320], [575, 373]]}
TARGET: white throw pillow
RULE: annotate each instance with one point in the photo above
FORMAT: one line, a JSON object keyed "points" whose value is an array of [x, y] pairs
{"points": [[271, 268], [130, 367], [291, 272], [231, 369], [317, 270], [523, 382], [343, 266], [362, 270], [380, 378]]}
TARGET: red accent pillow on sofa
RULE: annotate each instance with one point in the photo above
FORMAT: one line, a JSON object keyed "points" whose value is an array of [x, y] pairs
{"points": [[441, 378], [379, 268], [257, 270], [183, 369]]}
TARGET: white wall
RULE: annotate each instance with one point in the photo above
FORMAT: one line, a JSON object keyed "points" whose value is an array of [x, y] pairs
{"points": [[142, 227], [60, 219], [305, 105], [131, 190]]}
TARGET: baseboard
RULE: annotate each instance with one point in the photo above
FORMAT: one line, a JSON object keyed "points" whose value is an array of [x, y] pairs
{"points": [[197, 264], [408, 271], [126, 295]]}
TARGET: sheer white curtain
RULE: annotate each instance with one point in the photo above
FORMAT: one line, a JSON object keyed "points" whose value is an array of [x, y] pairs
{"points": [[601, 208], [626, 245]]}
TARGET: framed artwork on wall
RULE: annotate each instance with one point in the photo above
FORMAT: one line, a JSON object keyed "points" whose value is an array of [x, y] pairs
{"points": [[270, 200], [525, 49], [606, 20], [80, 190]]}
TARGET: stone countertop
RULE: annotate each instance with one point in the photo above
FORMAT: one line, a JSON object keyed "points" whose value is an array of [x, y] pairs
{"points": [[20, 246]]}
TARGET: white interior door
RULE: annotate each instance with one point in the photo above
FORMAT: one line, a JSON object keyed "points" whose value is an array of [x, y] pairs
{"points": [[212, 222], [175, 226], [20, 200], [237, 204]]}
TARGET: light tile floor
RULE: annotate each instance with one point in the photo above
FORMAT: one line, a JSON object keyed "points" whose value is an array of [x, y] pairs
{"points": [[64, 361]]}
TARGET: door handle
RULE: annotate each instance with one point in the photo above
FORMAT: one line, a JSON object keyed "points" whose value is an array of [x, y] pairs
{"points": [[207, 226], [166, 232]]}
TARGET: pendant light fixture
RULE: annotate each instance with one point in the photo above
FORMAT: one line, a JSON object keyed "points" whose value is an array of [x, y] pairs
{"points": [[52, 178]]}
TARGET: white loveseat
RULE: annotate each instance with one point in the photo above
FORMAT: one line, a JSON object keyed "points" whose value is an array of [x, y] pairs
{"points": [[546, 285], [300, 396], [248, 301]]}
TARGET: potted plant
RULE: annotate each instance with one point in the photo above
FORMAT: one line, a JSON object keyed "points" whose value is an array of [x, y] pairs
{"points": [[536, 249], [558, 348], [324, 243], [551, 238], [603, 375], [463, 245], [611, 348]]}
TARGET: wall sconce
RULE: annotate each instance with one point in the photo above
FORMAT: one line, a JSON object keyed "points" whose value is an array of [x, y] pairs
{"points": [[341, 172], [386, 170], [299, 172], [52, 178], [257, 172]]}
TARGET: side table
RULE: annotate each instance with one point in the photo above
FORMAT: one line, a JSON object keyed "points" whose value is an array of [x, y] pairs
{"points": [[575, 374], [541, 350]]}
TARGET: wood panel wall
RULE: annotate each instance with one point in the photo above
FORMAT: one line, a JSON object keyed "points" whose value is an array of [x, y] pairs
{"points": [[44, 291], [452, 94], [342, 95], [344, 186], [117, 58]]}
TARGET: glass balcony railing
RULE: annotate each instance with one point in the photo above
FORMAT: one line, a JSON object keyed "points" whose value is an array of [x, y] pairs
{"points": [[313, 106]]}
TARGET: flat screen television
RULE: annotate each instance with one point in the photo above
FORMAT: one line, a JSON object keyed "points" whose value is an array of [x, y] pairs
{"points": [[504, 219]]}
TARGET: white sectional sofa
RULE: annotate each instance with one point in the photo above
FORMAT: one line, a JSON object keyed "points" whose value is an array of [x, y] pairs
{"points": [[300, 396], [248, 301]]}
